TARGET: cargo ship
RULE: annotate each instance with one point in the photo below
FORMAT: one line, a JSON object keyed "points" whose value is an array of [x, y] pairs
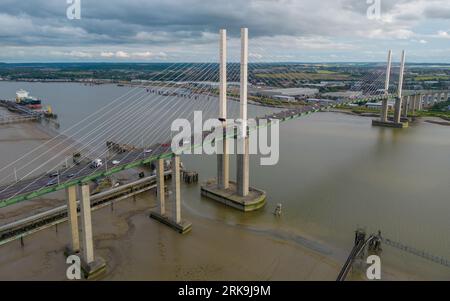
{"points": [[23, 98]]}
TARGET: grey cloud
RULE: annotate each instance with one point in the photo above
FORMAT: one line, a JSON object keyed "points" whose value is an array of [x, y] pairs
{"points": [[186, 24]]}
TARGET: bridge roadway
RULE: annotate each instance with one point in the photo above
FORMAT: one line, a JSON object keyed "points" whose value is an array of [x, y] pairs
{"points": [[34, 187]]}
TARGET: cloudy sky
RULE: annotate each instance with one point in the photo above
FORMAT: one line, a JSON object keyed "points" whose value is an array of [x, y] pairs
{"points": [[187, 30]]}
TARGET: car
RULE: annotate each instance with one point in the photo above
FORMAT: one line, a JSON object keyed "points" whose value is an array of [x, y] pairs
{"points": [[54, 174], [70, 176], [115, 162], [96, 163], [148, 151], [52, 183]]}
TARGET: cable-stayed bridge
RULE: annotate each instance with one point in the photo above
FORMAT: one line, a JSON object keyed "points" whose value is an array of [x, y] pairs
{"points": [[124, 120]]}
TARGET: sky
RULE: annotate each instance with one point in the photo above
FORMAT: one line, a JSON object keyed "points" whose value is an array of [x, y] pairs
{"points": [[187, 30]]}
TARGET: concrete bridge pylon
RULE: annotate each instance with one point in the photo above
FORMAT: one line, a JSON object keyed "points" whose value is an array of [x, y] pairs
{"points": [[237, 194]]}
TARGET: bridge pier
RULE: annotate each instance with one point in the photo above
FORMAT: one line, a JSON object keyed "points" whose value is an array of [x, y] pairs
{"points": [[92, 267], [429, 100], [243, 169], [175, 222], [160, 187], [413, 104], [406, 105], [237, 194], [72, 217], [420, 100]]}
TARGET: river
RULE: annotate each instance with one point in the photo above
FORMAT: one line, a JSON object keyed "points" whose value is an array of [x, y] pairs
{"points": [[336, 173]]}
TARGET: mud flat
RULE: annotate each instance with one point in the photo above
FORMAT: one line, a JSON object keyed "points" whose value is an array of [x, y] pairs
{"points": [[136, 247]]}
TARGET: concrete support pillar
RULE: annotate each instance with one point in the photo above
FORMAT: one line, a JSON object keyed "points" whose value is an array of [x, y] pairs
{"points": [[243, 170], [160, 186], [446, 96], [384, 107], [398, 102], [243, 147], [223, 172], [406, 104], [398, 108], [414, 103], [176, 182], [86, 225], [172, 220], [72, 217]]}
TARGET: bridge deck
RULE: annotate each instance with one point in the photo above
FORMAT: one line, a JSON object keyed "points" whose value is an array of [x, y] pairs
{"points": [[38, 186]]}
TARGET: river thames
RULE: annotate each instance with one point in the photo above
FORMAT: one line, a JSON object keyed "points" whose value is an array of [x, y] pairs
{"points": [[336, 173]]}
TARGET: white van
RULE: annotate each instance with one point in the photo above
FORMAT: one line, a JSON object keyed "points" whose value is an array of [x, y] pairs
{"points": [[96, 163]]}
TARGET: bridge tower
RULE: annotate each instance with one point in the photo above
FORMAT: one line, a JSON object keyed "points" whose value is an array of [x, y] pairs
{"points": [[397, 122], [223, 172], [399, 99], [384, 108], [242, 140], [237, 194]]}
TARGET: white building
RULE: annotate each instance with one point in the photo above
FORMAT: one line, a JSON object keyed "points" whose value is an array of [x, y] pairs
{"points": [[378, 105], [345, 94], [293, 92], [284, 98]]}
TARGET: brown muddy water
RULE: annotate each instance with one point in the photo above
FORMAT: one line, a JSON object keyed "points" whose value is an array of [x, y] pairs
{"points": [[336, 173]]}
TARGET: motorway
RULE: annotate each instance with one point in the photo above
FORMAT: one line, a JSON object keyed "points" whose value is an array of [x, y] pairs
{"points": [[79, 173]]}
